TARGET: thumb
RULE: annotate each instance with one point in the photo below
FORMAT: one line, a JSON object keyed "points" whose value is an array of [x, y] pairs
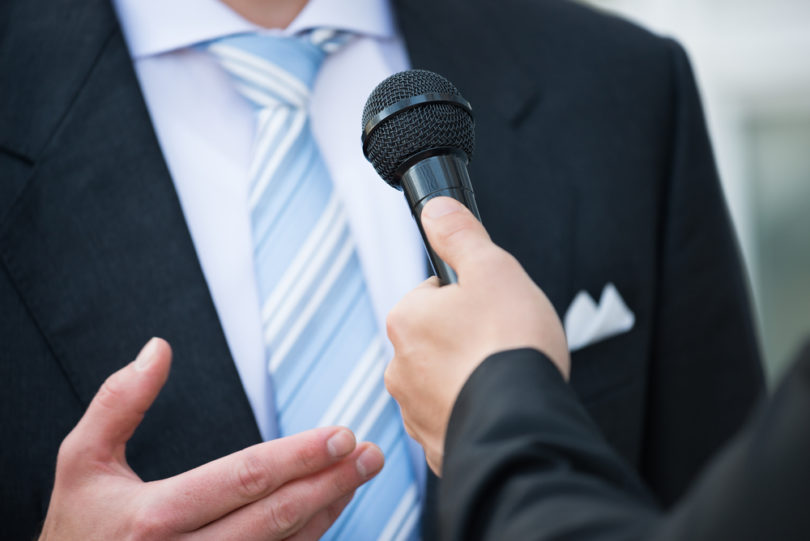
{"points": [[454, 233], [121, 402]]}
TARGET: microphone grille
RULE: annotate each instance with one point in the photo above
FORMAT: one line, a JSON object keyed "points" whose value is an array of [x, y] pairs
{"points": [[422, 127]]}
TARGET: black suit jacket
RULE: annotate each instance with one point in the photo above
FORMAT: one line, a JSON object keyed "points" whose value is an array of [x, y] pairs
{"points": [[528, 463], [592, 166]]}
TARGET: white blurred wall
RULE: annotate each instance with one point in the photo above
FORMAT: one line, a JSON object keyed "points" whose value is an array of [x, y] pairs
{"points": [[752, 62]]}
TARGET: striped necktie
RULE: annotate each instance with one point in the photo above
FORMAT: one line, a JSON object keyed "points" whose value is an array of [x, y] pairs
{"points": [[325, 353]]}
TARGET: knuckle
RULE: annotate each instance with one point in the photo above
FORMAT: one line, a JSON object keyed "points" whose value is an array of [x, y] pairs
{"points": [[343, 483], [71, 457], [388, 376], [149, 523], [68, 451], [111, 393], [390, 379], [506, 260], [409, 429], [461, 229], [253, 476], [399, 323], [452, 223], [333, 511], [284, 516], [392, 323], [309, 458]]}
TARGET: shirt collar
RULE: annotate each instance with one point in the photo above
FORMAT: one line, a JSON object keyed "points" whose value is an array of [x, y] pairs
{"points": [[153, 27]]}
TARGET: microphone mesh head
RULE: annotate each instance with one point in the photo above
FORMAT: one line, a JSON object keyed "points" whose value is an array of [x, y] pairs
{"points": [[423, 127]]}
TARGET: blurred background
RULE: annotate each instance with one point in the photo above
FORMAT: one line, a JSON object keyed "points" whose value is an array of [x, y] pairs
{"points": [[752, 62]]}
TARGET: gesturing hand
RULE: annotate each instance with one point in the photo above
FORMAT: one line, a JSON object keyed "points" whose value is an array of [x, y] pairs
{"points": [[441, 334], [293, 487]]}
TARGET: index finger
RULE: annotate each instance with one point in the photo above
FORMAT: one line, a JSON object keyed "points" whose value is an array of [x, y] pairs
{"points": [[204, 494]]}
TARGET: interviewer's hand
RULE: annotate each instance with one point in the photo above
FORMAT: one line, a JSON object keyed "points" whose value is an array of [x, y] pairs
{"points": [[292, 487], [441, 334]]}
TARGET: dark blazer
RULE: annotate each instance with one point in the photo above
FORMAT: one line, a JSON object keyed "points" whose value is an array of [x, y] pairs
{"points": [[592, 166], [530, 464]]}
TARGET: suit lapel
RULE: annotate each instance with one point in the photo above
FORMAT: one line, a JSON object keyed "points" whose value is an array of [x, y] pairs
{"points": [[445, 37], [100, 253], [528, 207]]}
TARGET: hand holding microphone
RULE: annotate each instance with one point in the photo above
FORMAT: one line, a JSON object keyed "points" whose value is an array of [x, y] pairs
{"points": [[441, 334], [418, 132]]}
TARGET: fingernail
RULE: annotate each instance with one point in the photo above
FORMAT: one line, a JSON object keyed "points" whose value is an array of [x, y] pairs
{"points": [[370, 462], [439, 206], [146, 356], [341, 443]]}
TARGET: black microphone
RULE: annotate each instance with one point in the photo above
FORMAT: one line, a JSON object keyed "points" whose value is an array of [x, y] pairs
{"points": [[418, 133]]}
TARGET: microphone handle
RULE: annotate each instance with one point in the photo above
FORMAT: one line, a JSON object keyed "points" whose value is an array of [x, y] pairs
{"points": [[440, 174]]}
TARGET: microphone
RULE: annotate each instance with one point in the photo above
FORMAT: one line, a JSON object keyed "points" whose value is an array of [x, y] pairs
{"points": [[419, 134]]}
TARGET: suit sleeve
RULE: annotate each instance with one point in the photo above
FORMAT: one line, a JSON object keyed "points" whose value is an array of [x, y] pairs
{"points": [[705, 375], [524, 461]]}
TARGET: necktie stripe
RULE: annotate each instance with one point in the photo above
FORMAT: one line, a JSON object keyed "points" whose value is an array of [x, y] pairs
{"points": [[295, 58], [255, 95], [320, 327], [359, 373], [408, 528], [337, 244], [278, 238], [316, 336], [314, 364], [297, 126], [271, 125], [362, 395], [383, 399], [266, 89], [378, 427], [336, 269], [284, 192], [325, 356], [263, 95], [248, 66], [401, 513], [316, 248], [389, 437], [312, 306], [377, 496]]}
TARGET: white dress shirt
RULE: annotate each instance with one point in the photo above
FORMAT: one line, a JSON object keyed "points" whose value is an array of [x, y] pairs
{"points": [[205, 130]]}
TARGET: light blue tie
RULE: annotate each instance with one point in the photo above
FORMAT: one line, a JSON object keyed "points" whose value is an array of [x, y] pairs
{"points": [[324, 349]]}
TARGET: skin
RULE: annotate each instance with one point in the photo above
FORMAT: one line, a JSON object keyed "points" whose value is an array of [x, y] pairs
{"points": [[289, 488], [267, 13], [441, 334]]}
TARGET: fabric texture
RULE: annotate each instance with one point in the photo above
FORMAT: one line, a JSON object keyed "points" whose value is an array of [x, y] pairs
{"points": [[531, 464]]}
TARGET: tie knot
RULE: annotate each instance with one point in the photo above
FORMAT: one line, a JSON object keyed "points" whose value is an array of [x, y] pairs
{"points": [[272, 70]]}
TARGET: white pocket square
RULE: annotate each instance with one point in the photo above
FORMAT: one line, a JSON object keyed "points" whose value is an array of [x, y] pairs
{"points": [[586, 323]]}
